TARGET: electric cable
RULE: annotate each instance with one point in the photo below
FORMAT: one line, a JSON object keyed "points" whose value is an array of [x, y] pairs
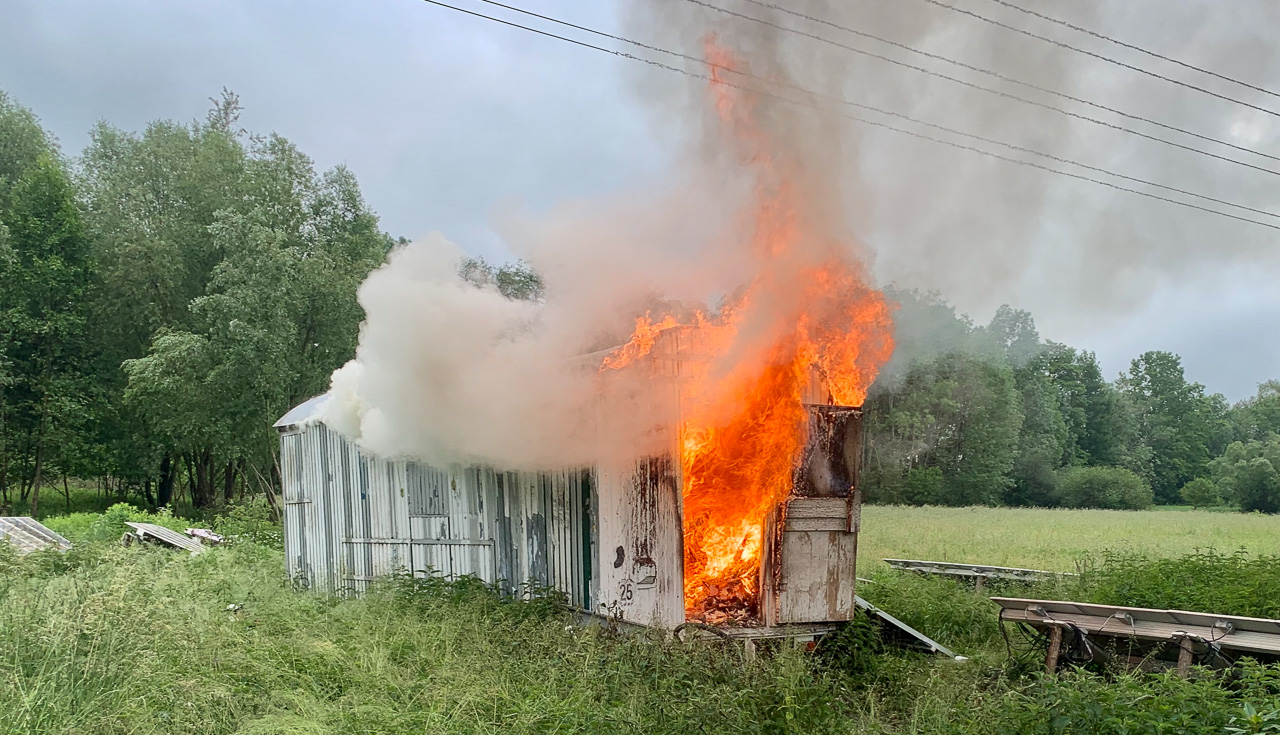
{"points": [[1002, 93], [1101, 57], [704, 77], [1013, 80], [1134, 47], [888, 113]]}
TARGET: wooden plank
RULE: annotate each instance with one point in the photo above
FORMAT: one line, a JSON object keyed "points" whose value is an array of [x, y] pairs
{"points": [[817, 524], [818, 576], [1186, 651], [817, 508]]}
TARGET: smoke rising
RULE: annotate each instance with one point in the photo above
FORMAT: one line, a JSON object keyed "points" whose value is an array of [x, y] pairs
{"points": [[450, 372]]}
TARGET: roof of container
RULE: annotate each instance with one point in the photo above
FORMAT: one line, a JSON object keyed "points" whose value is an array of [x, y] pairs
{"points": [[302, 413]]}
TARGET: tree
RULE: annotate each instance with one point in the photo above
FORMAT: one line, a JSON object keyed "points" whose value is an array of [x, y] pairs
{"points": [[957, 414], [1201, 493], [514, 280], [1013, 333], [1041, 442], [1257, 486], [42, 285], [1183, 427], [230, 270], [1257, 417], [1248, 473], [1101, 423]]}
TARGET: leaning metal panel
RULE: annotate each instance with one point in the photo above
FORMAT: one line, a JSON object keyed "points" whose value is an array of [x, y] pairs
{"points": [[28, 534]]}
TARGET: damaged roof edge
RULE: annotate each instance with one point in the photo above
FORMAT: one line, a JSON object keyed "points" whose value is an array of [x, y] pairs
{"points": [[303, 413]]}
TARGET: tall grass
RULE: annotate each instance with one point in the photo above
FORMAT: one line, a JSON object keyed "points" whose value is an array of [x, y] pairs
{"points": [[143, 641], [112, 640], [1054, 539]]}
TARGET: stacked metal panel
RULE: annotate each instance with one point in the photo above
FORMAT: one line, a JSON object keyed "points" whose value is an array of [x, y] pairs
{"points": [[28, 535]]}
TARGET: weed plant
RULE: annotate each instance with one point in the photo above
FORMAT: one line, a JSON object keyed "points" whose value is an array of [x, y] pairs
{"points": [[1204, 581]]}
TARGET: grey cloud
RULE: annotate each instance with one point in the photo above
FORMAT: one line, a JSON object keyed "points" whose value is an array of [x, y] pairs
{"points": [[449, 121]]}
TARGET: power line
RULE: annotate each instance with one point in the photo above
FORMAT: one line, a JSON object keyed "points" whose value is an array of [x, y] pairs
{"points": [[889, 113], [1107, 59], [1133, 47], [704, 77], [1013, 80], [990, 90]]}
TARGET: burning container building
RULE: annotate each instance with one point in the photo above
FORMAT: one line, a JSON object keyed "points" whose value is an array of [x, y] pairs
{"points": [[610, 537]]}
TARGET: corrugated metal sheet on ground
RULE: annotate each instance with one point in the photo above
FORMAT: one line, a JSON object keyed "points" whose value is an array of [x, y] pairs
{"points": [[166, 536], [28, 535]]}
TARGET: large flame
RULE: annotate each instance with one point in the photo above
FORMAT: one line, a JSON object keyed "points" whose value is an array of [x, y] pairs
{"points": [[746, 370]]}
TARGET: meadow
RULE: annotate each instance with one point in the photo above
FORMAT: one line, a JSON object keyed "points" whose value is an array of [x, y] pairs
{"points": [[1054, 539]]}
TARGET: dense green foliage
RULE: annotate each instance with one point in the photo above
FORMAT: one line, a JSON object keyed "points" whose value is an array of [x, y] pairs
{"points": [[993, 415], [1112, 488], [1249, 474], [1082, 704], [164, 300], [1201, 493]]}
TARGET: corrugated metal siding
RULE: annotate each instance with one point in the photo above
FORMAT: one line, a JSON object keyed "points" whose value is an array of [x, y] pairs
{"points": [[351, 518]]}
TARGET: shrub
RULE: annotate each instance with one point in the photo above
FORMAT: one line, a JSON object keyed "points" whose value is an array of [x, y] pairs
{"points": [[250, 520], [924, 486], [1257, 486], [1201, 493], [1104, 487]]}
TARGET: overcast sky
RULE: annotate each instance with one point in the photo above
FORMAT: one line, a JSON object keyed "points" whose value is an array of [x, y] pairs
{"points": [[448, 119]]}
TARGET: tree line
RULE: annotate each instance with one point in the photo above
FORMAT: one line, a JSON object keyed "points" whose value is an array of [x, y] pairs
{"points": [[164, 298], [993, 415], [166, 295]]}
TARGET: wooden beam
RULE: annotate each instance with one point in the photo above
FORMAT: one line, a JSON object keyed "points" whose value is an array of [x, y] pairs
{"points": [[1186, 652], [1055, 647]]}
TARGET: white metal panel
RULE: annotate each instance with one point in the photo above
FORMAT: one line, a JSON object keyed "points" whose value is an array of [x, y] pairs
{"points": [[640, 541]]}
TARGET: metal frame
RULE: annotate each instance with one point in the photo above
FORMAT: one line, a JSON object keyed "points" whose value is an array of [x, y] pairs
{"points": [[979, 573], [1200, 637]]}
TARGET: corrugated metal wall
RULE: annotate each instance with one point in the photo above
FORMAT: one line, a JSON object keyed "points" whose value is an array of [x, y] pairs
{"points": [[351, 518]]}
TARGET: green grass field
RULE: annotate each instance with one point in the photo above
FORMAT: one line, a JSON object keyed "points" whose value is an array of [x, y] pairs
{"points": [[124, 641], [1053, 539]]}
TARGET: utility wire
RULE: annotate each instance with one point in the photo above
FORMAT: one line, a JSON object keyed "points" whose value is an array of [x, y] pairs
{"points": [[707, 78], [889, 113], [1133, 47], [992, 90], [1013, 80], [1102, 57]]}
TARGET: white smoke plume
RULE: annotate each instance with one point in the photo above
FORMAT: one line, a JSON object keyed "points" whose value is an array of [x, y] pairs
{"points": [[449, 372], [454, 373]]}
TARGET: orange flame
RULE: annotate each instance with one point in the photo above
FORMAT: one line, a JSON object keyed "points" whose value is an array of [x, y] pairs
{"points": [[743, 420]]}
